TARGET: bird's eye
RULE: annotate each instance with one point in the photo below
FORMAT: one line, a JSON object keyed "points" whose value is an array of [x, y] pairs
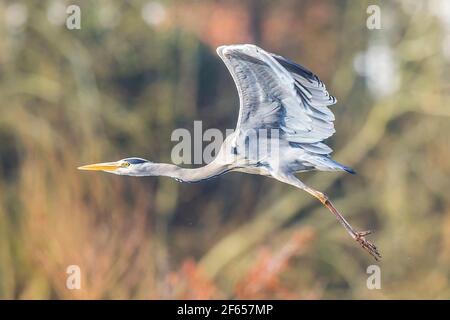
{"points": [[125, 164]]}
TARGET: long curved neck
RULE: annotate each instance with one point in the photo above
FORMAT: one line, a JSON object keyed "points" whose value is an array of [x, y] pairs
{"points": [[209, 171]]}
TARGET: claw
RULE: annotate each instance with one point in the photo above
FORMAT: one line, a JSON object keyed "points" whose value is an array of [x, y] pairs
{"points": [[367, 245], [364, 233]]}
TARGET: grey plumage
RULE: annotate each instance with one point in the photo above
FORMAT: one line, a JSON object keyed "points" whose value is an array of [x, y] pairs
{"points": [[276, 93], [285, 101]]}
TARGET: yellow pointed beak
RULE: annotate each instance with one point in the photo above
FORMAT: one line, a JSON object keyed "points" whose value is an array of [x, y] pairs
{"points": [[105, 166]]}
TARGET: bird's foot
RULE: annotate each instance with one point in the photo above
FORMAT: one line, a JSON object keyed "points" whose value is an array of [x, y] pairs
{"points": [[367, 245]]}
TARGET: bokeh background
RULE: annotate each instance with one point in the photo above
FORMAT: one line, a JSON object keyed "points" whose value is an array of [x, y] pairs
{"points": [[137, 70]]}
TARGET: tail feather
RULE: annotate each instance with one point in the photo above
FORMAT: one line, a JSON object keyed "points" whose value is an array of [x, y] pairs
{"points": [[328, 164], [349, 170]]}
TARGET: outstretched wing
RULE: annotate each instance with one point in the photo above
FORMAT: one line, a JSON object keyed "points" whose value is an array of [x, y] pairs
{"points": [[276, 93]]}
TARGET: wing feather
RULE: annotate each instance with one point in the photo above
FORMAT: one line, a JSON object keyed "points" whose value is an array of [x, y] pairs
{"points": [[277, 93]]}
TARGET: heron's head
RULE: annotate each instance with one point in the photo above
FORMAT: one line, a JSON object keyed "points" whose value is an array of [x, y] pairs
{"points": [[128, 167]]}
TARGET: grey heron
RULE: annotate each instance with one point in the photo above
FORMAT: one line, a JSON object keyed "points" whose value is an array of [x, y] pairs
{"points": [[275, 94]]}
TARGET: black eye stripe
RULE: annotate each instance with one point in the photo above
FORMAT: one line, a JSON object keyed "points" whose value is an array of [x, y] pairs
{"points": [[135, 160]]}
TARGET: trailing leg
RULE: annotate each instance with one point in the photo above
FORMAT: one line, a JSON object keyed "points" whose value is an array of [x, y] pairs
{"points": [[356, 235]]}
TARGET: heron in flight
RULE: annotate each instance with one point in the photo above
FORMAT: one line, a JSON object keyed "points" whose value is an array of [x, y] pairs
{"points": [[277, 96]]}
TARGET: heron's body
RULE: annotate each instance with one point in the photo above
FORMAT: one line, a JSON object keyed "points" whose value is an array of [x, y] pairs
{"points": [[283, 120]]}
